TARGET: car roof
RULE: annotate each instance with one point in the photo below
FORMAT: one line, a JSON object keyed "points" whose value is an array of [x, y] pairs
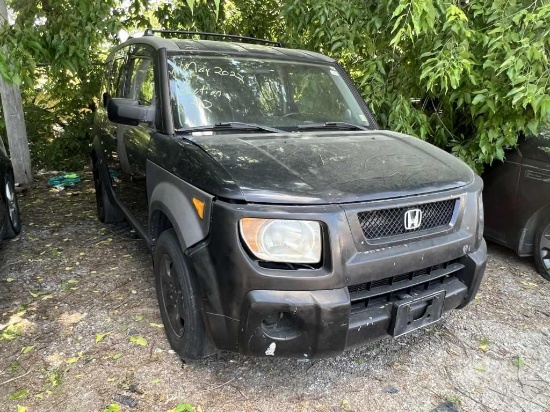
{"points": [[192, 46]]}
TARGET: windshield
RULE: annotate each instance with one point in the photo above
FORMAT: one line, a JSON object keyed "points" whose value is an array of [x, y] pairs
{"points": [[280, 94]]}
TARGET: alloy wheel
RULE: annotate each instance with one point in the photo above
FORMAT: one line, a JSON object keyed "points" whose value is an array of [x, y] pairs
{"points": [[545, 248]]}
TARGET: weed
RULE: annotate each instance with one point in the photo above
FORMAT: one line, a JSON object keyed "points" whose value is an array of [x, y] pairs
{"points": [[454, 399], [54, 377]]}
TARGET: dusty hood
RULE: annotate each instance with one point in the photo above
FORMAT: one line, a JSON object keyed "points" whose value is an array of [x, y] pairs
{"points": [[333, 167]]}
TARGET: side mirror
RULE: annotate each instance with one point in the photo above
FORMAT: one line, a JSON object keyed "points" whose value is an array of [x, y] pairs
{"points": [[128, 111]]}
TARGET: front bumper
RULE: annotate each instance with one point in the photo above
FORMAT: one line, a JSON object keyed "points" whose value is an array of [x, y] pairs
{"points": [[326, 322], [360, 292]]}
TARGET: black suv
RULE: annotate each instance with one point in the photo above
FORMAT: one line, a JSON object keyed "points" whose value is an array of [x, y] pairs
{"points": [[517, 200], [281, 219]]}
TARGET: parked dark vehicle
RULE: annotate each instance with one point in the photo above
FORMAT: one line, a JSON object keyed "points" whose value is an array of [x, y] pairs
{"points": [[517, 200], [10, 222], [281, 219]]}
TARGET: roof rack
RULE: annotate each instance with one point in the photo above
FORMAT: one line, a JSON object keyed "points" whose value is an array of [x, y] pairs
{"points": [[245, 39]]}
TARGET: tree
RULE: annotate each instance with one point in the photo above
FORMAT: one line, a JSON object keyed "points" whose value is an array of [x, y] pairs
{"points": [[468, 77], [14, 119], [55, 50]]}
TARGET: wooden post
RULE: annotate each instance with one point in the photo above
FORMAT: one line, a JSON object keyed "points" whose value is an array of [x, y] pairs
{"points": [[15, 122]]}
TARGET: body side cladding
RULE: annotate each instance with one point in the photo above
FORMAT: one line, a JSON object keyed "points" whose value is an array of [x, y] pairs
{"points": [[526, 236], [475, 264], [172, 196], [220, 327], [97, 152]]}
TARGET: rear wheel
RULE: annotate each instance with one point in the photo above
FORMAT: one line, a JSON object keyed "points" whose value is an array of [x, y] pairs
{"points": [[13, 221], [542, 249], [107, 211], [178, 298]]}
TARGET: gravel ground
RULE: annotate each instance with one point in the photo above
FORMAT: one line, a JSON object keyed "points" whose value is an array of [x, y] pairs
{"points": [[80, 331]]}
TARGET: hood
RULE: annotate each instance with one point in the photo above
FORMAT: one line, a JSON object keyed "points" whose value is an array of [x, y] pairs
{"points": [[333, 167]]}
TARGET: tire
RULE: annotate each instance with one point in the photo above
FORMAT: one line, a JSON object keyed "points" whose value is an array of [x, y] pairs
{"points": [[179, 299], [542, 249], [13, 216], [107, 211]]}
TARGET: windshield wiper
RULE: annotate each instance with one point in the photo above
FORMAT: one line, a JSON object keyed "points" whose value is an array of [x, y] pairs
{"points": [[228, 126], [331, 125]]}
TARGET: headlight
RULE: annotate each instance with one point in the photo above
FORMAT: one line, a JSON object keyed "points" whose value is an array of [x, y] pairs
{"points": [[288, 241]]}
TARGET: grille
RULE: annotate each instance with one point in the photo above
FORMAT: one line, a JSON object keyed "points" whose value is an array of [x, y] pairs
{"points": [[381, 291], [377, 224], [369, 286]]}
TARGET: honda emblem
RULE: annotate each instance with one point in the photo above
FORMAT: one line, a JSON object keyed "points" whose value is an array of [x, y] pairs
{"points": [[413, 219]]}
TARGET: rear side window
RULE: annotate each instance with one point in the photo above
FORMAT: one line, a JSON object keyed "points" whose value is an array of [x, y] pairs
{"points": [[116, 76], [537, 147]]}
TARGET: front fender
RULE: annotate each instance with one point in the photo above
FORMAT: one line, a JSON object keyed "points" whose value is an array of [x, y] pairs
{"points": [[173, 197]]}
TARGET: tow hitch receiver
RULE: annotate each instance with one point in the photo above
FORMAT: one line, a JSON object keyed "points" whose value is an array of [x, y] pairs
{"points": [[413, 313]]}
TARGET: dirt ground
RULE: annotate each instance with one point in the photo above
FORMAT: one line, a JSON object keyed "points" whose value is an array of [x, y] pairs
{"points": [[80, 330]]}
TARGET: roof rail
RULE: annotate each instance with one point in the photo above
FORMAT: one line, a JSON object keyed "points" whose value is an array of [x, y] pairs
{"points": [[245, 39]]}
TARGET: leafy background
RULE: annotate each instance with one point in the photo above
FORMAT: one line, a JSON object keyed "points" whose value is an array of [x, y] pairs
{"points": [[469, 77]]}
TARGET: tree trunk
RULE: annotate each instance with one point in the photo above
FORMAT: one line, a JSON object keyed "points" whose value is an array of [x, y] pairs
{"points": [[15, 122]]}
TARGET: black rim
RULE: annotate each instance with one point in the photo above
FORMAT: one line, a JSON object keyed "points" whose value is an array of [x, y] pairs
{"points": [[172, 298], [13, 208], [545, 248]]}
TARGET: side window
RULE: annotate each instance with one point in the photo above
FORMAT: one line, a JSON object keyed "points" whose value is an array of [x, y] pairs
{"points": [[536, 147], [117, 78], [133, 78], [141, 86]]}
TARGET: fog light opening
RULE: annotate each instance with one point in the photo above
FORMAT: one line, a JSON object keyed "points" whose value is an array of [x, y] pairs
{"points": [[282, 326]]}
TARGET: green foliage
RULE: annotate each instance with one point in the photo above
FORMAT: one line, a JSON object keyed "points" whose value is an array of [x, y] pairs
{"points": [[254, 18], [191, 15], [61, 33], [519, 361], [54, 377], [467, 77], [58, 115], [55, 52], [183, 407], [114, 407], [52, 51], [19, 394]]}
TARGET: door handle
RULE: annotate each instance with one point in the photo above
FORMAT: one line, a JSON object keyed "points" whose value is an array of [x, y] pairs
{"points": [[530, 174]]}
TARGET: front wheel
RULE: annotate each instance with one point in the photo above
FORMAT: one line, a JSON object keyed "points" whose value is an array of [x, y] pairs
{"points": [[13, 220], [178, 298], [542, 249]]}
